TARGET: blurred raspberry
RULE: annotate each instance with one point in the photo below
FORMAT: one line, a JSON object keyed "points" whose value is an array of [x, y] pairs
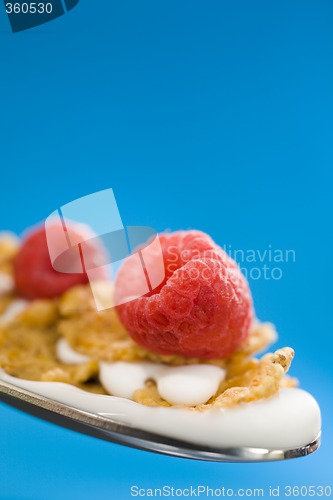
{"points": [[202, 309], [33, 272]]}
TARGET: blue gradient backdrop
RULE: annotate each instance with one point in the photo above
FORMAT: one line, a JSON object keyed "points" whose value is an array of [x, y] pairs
{"points": [[214, 115]]}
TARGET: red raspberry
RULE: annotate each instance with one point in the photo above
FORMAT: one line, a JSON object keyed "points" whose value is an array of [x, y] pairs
{"points": [[33, 272], [202, 309]]}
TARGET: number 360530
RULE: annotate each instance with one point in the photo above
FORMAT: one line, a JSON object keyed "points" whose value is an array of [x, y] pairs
{"points": [[28, 8]]}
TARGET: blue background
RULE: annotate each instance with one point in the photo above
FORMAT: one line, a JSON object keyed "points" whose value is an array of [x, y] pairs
{"points": [[214, 115]]}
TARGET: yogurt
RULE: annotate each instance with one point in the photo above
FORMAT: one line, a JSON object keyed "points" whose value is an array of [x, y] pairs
{"points": [[188, 385], [289, 420], [14, 309], [6, 284], [67, 355]]}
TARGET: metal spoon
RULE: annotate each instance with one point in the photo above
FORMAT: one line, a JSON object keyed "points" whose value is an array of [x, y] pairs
{"points": [[105, 428]]}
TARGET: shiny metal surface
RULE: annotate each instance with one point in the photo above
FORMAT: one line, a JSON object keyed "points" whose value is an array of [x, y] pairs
{"points": [[107, 429]]}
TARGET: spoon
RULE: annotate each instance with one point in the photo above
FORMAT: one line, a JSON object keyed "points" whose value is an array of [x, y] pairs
{"points": [[103, 427]]}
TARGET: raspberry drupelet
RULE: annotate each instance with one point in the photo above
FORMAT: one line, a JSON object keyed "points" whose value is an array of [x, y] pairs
{"points": [[202, 309]]}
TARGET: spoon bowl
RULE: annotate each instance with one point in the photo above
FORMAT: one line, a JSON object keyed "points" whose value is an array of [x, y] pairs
{"points": [[102, 426]]}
